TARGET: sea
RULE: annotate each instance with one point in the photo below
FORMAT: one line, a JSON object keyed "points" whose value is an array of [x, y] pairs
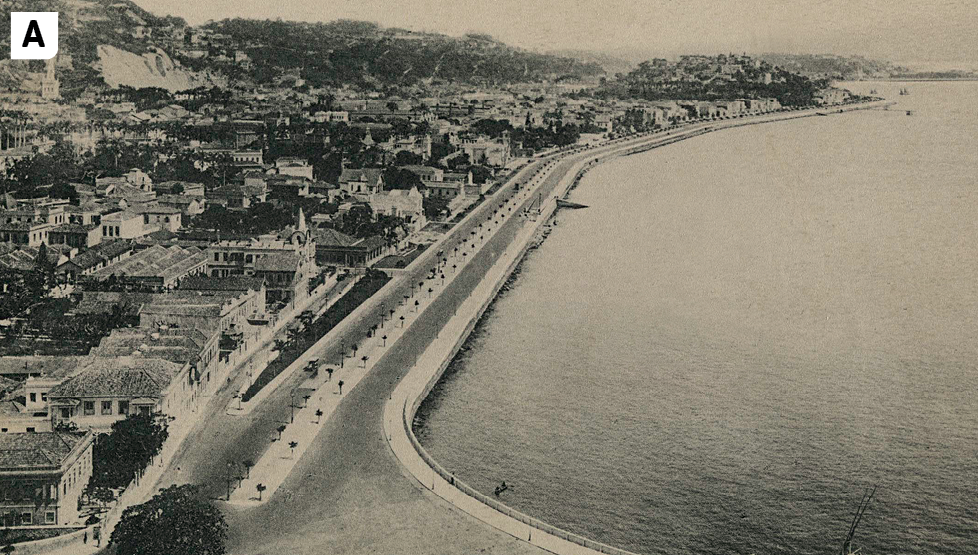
{"points": [[741, 335]]}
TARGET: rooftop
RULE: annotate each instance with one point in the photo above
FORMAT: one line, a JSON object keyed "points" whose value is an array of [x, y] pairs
{"points": [[38, 450]]}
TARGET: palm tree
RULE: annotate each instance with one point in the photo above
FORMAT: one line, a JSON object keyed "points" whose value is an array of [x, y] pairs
{"points": [[402, 321], [354, 349], [364, 359], [280, 429], [319, 414], [340, 383], [385, 340], [329, 374], [292, 446], [416, 305], [306, 398], [430, 291], [248, 464], [260, 488]]}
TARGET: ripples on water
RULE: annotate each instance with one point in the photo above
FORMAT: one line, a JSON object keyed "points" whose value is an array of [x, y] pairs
{"points": [[743, 332]]}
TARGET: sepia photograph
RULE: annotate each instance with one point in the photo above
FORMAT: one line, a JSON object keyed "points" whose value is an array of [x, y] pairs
{"points": [[522, 277]]}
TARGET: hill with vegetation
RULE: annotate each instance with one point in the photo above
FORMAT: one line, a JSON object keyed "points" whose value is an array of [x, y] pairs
{"points": [[831, 66], [366, 55], [108, 43]]}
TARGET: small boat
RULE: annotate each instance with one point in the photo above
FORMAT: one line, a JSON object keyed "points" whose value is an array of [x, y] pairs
{"points": [[909, 112], [904, 92]]}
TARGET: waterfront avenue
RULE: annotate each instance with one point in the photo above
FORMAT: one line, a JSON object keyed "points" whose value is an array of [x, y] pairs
{"points": [[348, 493]]}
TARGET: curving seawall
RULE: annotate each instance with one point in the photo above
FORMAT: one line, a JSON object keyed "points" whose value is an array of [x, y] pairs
{"points": [[400, 410]]}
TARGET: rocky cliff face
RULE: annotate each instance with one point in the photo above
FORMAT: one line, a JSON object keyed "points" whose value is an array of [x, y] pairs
{"points": [[152, 69]]}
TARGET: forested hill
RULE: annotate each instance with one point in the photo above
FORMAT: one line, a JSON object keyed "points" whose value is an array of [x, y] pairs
{"points": [[98, 36], [365, 54]]}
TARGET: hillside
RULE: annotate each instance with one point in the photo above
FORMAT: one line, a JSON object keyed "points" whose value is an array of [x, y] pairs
{"points": [[369, 56], [108, 43], [831, 66]]}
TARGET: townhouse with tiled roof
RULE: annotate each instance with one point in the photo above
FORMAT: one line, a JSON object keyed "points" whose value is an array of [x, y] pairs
{"points": [[109, 389], [42, 477]]}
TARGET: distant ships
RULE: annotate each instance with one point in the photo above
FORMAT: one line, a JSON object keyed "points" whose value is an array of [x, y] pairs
{"points": [[904, 92]]}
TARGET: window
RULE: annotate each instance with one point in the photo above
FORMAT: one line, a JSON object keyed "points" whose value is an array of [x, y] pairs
{"points": [[33, 397], [89, 408], [4, 430], [106, 407], [117, 231], [217, 257], [26, 518], [123, 407], [65, 413], [144, 410], [30, 430], [49, 517], [44, 396]]}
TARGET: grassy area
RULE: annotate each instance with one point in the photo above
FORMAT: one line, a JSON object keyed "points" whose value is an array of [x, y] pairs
{"points": [[363, 290]]}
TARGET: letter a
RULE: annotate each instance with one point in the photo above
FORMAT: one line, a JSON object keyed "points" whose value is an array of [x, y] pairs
{"points": [[33, 35]]}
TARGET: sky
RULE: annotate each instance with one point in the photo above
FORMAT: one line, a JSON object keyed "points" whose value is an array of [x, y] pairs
{"points": [[896, 30]]}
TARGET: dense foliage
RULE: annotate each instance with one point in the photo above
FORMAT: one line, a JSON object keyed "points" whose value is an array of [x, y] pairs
{"points": [[647, 82], [176, 521], [298, 343], [124, 453], [364, 54]]}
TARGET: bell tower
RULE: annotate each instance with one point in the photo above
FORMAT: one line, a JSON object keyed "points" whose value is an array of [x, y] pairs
{"points": [[50, 88]]}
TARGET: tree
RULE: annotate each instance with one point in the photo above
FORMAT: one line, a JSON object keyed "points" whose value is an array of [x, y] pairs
{"points": [[248, 463], [319, 415], [292, 446], [385, 340], [176, 521], [127, 450], [364, 360], [280, 429], [260, 488], [340, 383]]}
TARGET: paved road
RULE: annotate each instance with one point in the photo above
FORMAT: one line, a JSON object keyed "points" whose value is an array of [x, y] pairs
{"points": [[348, 493]]}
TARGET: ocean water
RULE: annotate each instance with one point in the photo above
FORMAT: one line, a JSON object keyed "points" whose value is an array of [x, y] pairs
{"points": [[741, 334]]}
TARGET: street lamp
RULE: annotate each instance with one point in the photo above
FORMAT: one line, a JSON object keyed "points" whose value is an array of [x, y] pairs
{"points": [[292, 406]]}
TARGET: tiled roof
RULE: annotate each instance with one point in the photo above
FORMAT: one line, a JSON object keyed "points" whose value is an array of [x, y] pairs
{"points": [[278, 262], [33, 450], [180, 346], [329, 237], [50, 366], [156, 261], [230, 283], [119, 377]]}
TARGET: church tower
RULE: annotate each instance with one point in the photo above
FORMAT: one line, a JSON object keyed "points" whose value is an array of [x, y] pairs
{"points": [[50, 88]]}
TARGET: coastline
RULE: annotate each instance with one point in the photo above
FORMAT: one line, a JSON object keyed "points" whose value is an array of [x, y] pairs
{"points": [[410, 393]]}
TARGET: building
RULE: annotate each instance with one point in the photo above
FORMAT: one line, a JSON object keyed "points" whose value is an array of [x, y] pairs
{"points": [[124, 225], [482, 150], [337, 249], [157, 266], [286, 261], [42, 477], [159, 216], [362, 182], [109, 389], [97, 257], [29, 222], [50, 87], [76, 235], [296, 167], [407, 205]]}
